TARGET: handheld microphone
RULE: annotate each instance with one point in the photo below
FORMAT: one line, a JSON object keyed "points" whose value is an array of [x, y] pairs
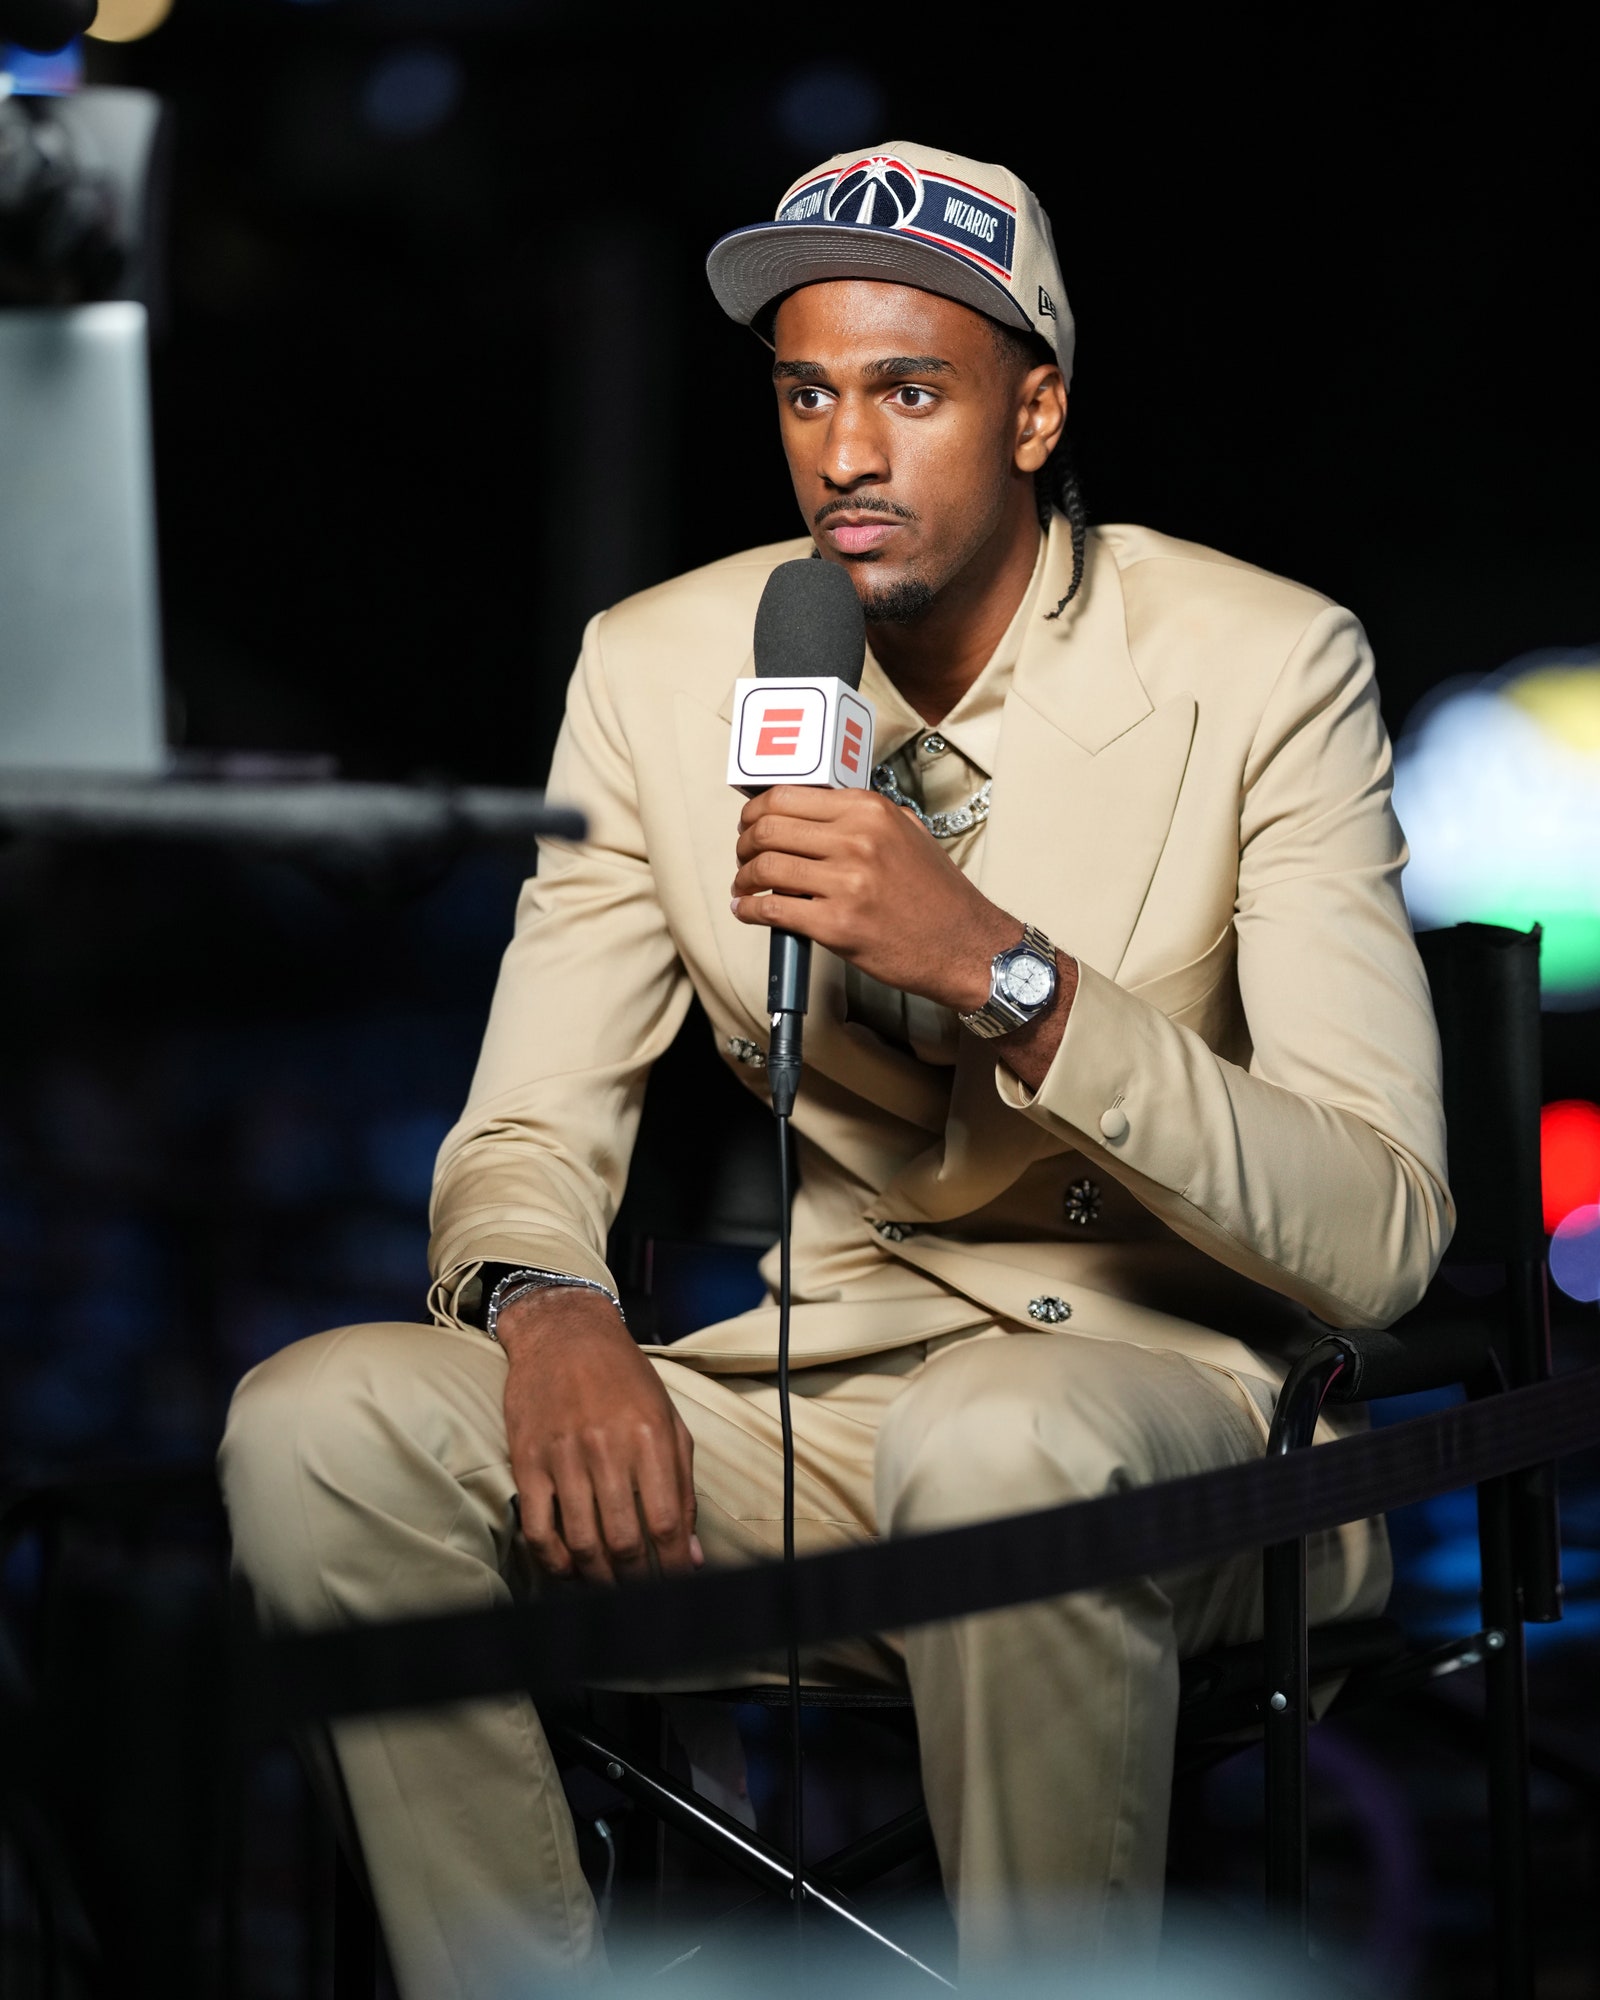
{"points": [[801, 721]]}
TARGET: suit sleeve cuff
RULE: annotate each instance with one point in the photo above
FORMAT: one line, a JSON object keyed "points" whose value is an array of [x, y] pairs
{"points": [[1087, 1089], [455, 1297]]}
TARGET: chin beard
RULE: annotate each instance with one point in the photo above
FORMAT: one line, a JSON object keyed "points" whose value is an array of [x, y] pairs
{"points": [[901, 603]]}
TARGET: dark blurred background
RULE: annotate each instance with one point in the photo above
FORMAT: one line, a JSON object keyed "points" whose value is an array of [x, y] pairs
{"points": [[440, 377]]}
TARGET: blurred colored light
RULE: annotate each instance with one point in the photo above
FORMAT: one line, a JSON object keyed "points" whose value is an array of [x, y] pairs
{"points": [[1565, 699], [828, 106], [1575, 1254], [23, 74], [411, 92], [1497, 785], [1569, 1158], [128, 20]]}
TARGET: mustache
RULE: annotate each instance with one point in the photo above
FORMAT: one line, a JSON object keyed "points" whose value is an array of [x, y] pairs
{"points": [[865, 506]]}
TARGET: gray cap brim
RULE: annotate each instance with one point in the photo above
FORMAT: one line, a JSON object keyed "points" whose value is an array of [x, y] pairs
{"points": [[751, 267]]}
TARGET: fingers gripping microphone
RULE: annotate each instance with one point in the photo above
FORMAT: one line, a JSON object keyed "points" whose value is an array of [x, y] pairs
{"points": [[801, 721]]}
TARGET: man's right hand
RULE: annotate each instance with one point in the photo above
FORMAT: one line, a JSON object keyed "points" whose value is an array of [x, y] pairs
{"points": [[604, 1464]]}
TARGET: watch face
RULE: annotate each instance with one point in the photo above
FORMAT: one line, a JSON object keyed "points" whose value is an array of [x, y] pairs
{"points": [[1029, 980]]}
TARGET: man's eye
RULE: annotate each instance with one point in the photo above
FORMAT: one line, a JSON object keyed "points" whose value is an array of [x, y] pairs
{"points": [[809, 399], [910, 397]]}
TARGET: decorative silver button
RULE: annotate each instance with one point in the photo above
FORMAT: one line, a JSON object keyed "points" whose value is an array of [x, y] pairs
{"points": [[933, 744], [894, 1232], [1080, 1205], [1048, 1311], [748, 1053], [1114, 1124]]}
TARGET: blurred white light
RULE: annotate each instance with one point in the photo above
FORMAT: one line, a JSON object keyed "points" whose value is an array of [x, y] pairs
{"points": [[412, 91], [1497, 785], [1575, 1254], [829, 106]]}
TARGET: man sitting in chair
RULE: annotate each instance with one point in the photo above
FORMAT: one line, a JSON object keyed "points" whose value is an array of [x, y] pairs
{"points": [[1120, 1073]]}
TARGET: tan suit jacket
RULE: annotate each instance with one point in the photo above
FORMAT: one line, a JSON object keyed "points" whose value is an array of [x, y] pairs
{"points": [[1192, 796]]}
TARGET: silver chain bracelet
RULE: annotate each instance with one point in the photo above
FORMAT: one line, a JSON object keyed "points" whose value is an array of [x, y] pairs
{"points": [[517, 1284]]}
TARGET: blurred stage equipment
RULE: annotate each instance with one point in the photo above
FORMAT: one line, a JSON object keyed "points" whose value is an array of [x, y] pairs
{"points": [[80, 689], [80, 200], [353, 836], [43, 26]]}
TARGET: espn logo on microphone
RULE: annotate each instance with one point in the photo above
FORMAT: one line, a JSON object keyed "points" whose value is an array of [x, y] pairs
{"points": [[800, 733]]}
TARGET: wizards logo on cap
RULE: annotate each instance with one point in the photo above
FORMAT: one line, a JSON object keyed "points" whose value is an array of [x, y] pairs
{"points": [[883, 190]]}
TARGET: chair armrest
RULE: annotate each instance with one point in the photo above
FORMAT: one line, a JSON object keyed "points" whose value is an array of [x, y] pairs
{"points": [[1397, 1364]]}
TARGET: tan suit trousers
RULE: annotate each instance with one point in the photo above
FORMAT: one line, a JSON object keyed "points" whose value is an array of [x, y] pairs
{"points": [[366, 1477]]}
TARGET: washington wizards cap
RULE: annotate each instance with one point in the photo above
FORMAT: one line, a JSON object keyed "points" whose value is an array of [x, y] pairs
{"points": [[906, 215]]}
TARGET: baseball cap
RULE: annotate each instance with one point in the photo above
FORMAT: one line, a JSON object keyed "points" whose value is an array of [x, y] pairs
{"points": [[908, 215]]}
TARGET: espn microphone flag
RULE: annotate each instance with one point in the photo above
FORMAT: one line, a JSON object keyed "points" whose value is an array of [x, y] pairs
{"points": [[801, 721], [799, 732]]}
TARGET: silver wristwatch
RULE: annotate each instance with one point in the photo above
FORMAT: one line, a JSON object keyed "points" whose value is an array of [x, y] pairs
{"points": [[517, 1285], [1022, 984]]}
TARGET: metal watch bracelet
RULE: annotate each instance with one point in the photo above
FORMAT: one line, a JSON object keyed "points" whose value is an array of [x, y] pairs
{"points": [[517, 1284], [999, 1014]]}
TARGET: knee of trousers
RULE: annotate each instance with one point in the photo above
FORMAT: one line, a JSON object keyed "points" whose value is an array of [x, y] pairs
{"points": [[1003, 1427], [349, 1439]]}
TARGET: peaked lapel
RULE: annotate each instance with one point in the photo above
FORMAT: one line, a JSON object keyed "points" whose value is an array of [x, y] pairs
{"points": [[1088, 772], [1085, 784]]}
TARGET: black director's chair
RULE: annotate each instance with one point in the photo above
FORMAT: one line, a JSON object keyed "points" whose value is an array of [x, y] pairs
{"points": [[1485, 984]]}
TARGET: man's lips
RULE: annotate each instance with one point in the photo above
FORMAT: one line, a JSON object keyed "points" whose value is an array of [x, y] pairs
{"points": [[855, 538]]}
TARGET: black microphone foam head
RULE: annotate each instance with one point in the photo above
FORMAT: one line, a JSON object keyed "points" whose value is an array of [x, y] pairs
{"points": [[809, 625]]}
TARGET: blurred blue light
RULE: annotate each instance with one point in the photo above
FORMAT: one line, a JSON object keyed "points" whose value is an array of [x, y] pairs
{"points": [[23, 74], [829, 106], [1575, 1254], [411, 91], [400, 1151]]}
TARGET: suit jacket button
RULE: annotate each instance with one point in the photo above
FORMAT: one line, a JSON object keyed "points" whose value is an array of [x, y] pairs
{"points": [[1049, 1311], [894, 1232], [1114, 1124], [1080, 1205]]}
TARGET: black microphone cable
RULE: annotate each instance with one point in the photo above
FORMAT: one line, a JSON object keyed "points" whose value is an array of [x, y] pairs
{"points": [[809, 626], [797, 1814], [788, 986]]}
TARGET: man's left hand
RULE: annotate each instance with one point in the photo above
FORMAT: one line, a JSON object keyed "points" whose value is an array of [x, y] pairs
{"points": [[867, 879]]}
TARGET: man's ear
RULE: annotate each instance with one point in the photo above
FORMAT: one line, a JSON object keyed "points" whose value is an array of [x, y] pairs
{"points": [[1041, 416]]}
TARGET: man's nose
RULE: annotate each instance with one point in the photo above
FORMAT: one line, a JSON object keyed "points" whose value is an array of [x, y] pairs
{"points": [[853, 451]]}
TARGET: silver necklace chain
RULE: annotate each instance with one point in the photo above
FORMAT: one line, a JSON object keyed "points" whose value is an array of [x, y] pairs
{"points": [[942, 825]]}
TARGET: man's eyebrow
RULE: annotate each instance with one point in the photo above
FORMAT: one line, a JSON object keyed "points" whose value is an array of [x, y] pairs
{"points": [[891, 368], [910, 364]]}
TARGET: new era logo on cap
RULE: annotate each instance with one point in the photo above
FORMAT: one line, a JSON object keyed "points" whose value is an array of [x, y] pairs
{"points": [[906, 214]]}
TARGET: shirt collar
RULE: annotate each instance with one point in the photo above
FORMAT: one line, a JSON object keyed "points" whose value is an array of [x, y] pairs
{"points": [[973, 726]]}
